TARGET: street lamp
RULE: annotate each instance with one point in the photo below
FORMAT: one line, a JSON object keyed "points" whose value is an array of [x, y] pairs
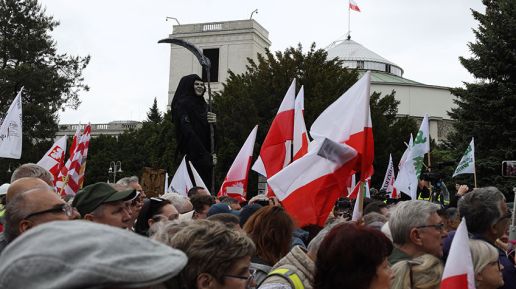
{"points": [[114, 168]]}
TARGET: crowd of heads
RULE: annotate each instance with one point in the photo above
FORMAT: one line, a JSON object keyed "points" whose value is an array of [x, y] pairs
{"points": [[115, 236]]}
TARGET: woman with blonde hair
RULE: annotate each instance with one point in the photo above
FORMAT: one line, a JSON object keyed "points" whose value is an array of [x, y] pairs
{"points": [[488, 270], [423, 272]]}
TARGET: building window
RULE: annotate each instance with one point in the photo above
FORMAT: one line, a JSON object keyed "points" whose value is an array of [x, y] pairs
{"points": [[213, 56], [388, 68], [360, 64]]}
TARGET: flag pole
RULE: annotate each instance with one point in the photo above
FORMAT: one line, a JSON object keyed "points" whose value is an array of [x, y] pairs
{"points": [[349, 20]]}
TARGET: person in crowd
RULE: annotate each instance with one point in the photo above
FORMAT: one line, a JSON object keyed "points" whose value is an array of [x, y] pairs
{"points": [[296, 269], [247, 211], [487, 218], [3, 193], [136, 204], [165, 231], [377, 207], [24, 184], [451, 219], [154, 210], [271, 230], [488, 270], [101, 203], [182, 203], [221, 208], [233, 203], [201, 205], [417, 231], [374, 220], [32, 208], [422, 272], [353, 256], [33, 171], [218, 257], [195, 191], [79, 254], [229, 220], [343, 208]]}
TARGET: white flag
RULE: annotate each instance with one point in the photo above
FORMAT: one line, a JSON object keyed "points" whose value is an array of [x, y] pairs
{"points": [[197, 178], [467, 163], [165, 190], [53, 160], [458, 271], [407, 181], [181, 182], [421, 145], [11, 130], [388, 180]]}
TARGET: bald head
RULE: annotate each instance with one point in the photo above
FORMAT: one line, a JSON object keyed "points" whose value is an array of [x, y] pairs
{"points": [[25, 184]]}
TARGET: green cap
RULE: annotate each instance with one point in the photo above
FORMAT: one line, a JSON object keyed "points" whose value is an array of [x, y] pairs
{"points": [[92, 196]]}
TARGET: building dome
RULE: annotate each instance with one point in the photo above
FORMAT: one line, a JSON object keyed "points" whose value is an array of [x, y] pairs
{"points": [[357, 56]]}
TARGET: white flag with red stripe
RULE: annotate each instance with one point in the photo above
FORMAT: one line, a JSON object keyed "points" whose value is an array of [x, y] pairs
{"points": [[300, 142], [361, 185], [275, 152], [72, 174], [353, 5], [235, 183], [348, 120], [388, 180], [308, 187], [53, 160], [181, 182], [458, 271]]}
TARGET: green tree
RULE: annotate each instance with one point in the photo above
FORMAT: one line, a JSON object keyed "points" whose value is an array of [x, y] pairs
{"points": [[154, 115], [29, 58], [486, 108]]}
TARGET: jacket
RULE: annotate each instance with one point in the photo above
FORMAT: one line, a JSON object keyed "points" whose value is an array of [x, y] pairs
{"points": [[300, 268]]}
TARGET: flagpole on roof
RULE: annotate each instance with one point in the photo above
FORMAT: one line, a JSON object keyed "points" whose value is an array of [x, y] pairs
{"points": [[349, 20]]}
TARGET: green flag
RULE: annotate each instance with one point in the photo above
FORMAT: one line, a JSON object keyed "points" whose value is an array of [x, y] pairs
{"points": [[467, 163]]}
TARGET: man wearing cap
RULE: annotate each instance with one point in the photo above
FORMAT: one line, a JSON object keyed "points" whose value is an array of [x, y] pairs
{"points": [[101, 203]]}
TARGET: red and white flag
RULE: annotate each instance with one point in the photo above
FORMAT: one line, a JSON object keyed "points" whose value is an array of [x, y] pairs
{"points": [[361, 185], [388, 180], [53, 160], [72, 174], [235, 183], [353, 5], [308, 187], [300, 142], [458, 271], [275, 152], [348, 120]]}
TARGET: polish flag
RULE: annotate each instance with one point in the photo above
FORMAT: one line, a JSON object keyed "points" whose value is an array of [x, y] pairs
{"points": [[235, 183], [308, 187], [53, 160], [348, 120], [458, 271], [300, 142], [275, 153], [388, 180], [361, 185], [353, 5]]}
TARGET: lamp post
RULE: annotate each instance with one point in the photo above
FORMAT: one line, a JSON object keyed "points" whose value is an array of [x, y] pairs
{"points": [[114, 168]]}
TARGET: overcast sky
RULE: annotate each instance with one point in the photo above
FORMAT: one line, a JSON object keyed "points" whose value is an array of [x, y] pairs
{"points": [[128, 68]]}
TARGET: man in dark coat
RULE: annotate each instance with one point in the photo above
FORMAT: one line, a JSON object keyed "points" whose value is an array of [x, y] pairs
{"points": [[190, 116]]}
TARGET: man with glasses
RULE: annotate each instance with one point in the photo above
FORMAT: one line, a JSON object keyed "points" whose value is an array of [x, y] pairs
{"points": [[101, 203], [488, 218], [32, 208]]}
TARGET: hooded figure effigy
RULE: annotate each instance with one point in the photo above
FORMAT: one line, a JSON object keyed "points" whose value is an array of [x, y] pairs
{"points": [[189, 113]]}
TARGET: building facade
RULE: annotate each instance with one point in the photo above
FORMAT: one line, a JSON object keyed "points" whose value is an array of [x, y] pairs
{"points": [[113, 128]]}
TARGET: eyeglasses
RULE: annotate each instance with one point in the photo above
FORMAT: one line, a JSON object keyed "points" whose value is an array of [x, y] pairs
{"points": [[62, 208], [439, 227], [249, 279]]}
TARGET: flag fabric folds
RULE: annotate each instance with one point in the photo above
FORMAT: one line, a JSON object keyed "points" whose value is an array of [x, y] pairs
{"points": [[198, 182], [54, 158], [458, 271], [308, 187], [388, 180], [72, 174], [181, 182], [275, 152], [407, 180], [353, 5], [348, 120], [467, 162], [300, 138], [421, 145], [11, 130], [235, 182]]}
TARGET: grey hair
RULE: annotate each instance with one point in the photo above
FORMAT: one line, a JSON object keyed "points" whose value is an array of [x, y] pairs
{"points": [[128, 180], [408, 215], [481, 208], [33, 171], [165, 231], [15, 211], [482, 254], [314, 245], [182, 203]]}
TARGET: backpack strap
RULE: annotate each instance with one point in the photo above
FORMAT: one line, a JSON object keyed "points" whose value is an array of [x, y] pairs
{"points": [[290, 276]]}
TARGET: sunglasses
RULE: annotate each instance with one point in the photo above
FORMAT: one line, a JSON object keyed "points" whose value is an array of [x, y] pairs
{"points": [[62, 208]]}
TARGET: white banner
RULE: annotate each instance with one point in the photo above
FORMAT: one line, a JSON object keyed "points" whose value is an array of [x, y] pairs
{"points": [[11, 130], [467, 163]]}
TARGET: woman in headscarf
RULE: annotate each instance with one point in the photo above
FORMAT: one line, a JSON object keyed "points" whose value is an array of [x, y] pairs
{"points": [[189, 113]]}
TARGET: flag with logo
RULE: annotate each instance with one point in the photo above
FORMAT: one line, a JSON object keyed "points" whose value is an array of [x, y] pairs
{"points": [[467, 162], [407, 180], [11, 130], [388, 180], [421, 145], [53, 160]]}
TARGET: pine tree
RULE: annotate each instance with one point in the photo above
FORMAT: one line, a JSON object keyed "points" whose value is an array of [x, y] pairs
{"points": [[29, 58], [487, 107], [154, 115]]}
